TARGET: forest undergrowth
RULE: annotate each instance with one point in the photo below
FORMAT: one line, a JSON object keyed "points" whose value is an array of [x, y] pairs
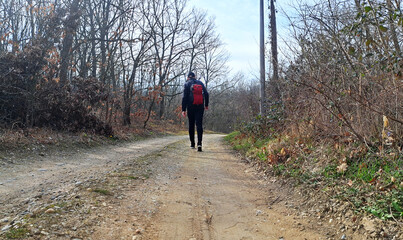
{"points": [[370, 179], [46, 139]]}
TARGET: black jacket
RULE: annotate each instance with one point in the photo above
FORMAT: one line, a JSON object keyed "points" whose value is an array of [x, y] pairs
{"points": [[186, 99]]}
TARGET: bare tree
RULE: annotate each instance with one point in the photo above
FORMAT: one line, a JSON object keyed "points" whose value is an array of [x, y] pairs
{"points": [[274, 52], [347, 68], [137, 52], [168, 41], [262, 63], [70, 26]]}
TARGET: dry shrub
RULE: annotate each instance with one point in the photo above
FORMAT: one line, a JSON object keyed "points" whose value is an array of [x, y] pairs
{"points": [[70, 107], [28, 99]]}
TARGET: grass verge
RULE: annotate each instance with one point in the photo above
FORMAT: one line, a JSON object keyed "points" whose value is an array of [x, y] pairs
{"points": [[372, 181]]}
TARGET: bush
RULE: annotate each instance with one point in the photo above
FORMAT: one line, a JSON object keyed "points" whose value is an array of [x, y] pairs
{"points": [[69, 108], [30, 99]]}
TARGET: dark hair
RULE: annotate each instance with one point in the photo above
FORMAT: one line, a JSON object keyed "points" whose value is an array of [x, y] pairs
{"points": [[191, 75]]}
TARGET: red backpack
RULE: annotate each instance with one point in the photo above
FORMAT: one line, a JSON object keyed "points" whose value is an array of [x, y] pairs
{"points": [[197, 92]]}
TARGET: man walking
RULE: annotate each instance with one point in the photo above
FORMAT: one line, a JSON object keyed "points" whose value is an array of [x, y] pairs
{"points": [[195, 99]]}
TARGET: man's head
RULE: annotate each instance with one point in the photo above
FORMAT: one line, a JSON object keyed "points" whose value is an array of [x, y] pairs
{"points": [[191, 75]]}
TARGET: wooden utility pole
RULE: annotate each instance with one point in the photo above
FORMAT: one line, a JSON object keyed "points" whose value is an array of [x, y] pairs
{"points": [[274, 53], [262, 62]]}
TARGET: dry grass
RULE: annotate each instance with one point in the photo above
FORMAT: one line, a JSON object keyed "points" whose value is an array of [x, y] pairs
{"points": [[17, 139]]}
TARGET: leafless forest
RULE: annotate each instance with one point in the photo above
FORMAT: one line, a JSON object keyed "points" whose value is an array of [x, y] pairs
{"points": [[346, 81], [96, 64]]}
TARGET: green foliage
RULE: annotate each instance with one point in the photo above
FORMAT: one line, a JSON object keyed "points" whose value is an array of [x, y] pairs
{"points": [[17, 233], [102, 191], [264, 127], [371, 181], [239, 142], [146, 175], [372, 189], [378, 16], [386, 207], [230, 137], [279, 169], [330, 171], [131, 177], [243, 147], [261, 155], [371, 167]]}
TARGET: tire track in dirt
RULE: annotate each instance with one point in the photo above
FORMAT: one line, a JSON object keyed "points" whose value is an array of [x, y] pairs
{"points": [[207, 195], [47, 177]]}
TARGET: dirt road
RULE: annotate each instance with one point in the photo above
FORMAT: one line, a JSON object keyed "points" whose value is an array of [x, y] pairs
{"points": [[215, 196], [59, 172], [182, 194]]}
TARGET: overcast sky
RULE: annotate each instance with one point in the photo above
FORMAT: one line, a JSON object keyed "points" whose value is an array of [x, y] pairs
{"points": [[238, 25]]}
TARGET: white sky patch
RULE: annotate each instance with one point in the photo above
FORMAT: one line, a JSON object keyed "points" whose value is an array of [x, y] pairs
{"points": [[238, 22]]}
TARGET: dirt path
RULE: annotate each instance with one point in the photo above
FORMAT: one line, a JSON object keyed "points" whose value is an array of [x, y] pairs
{"points": [[208, 195], [182, 194], [48, 176]]}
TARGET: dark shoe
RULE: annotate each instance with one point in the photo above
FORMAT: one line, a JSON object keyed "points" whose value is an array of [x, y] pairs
{"points": [[199, 148], [192, 145]]}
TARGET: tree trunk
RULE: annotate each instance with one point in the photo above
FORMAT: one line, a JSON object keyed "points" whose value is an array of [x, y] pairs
{"points": [[393, 28], [149, 113], [274, 52], [32, 22], [14, 27], [104, 37], [70, 28], [93, 43], [162, 107], [262, 63], [126, 113]]}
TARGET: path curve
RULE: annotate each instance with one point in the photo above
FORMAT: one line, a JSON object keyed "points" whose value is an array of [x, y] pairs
{"points": [[203, 196], [184, 195], [54, 174]]}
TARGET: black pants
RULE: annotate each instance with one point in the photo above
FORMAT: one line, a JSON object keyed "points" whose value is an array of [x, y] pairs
{"points": [[195, 115]]}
